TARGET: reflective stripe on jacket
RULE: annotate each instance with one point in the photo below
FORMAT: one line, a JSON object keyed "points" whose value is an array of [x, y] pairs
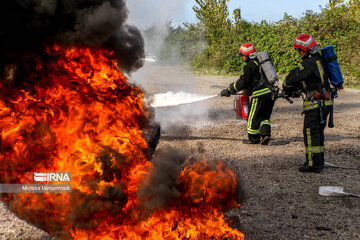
{"points": [[261, 92], [310, 105]]}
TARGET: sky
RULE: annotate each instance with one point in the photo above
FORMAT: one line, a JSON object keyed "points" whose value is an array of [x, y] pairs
{"points": [[144, 13]]}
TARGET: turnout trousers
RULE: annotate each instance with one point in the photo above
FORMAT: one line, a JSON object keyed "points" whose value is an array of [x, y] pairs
{"points": [[314, 125], [258, 124]]}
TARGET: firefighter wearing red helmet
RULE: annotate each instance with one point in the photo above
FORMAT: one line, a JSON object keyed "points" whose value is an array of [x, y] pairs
{"points": [[261, 104], [247, 49], [304, 42], [310, 79]]}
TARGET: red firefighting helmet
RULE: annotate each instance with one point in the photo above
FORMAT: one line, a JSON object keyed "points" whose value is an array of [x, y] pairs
{"points": [[304, 42], [246, 49]]}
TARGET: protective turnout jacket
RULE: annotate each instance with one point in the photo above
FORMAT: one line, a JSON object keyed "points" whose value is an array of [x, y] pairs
{"points": [[309, 77], [251, 80]]}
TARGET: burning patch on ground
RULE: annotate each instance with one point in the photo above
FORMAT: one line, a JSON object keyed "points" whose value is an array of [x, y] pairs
{"points": [[73, 111], [66, 107]]}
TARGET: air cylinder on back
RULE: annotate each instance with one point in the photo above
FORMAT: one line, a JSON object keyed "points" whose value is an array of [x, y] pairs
{"points": [[332, 66], [267, 67]]}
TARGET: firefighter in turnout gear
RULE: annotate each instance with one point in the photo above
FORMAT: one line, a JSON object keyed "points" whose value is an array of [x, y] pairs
{"points": [[261, 104], [310, 79]]}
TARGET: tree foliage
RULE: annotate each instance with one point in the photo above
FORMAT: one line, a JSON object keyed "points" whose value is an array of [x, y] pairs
{"points": [[213, 14]]}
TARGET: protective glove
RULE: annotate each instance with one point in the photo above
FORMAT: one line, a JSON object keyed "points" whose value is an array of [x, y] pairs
{"points": [[225, 93], [287, 93]]}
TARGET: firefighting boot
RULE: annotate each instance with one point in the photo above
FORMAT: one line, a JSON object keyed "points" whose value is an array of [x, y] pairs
{"points": [[314, 169], [251, 141], [265, 140]]}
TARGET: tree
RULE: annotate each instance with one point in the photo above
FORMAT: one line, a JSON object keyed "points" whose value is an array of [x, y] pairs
{"points": [[237, 15], [213, 14], [354, 7], [334, 3]]}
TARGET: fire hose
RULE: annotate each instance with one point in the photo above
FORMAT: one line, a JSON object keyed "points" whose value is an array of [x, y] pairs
{"points": [[342, 167]]}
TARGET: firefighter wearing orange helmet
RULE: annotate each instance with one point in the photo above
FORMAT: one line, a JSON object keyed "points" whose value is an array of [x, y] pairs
{"points": [[310, 80], [261, 104]]}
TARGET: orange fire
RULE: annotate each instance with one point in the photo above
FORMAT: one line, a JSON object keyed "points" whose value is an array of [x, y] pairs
{"points": [[71, 110]]}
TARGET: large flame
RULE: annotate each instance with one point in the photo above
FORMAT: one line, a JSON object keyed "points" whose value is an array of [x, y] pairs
{"points": [[71, 110]]}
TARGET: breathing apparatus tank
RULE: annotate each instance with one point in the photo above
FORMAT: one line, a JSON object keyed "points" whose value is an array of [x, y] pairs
{"points": [[332, 66], [242, 106], [267, 67]]}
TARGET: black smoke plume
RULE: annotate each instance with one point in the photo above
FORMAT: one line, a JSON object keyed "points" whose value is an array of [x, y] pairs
{"points": [[28, 25], [161, 185]]}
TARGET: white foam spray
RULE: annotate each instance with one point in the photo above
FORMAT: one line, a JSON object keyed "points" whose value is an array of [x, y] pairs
{"points": [[173, 99]]}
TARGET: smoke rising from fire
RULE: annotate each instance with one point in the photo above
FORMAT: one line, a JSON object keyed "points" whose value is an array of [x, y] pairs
{"points": [[164, 183], [160, 186], [154, 19], [28, 25], [147, 13]]}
